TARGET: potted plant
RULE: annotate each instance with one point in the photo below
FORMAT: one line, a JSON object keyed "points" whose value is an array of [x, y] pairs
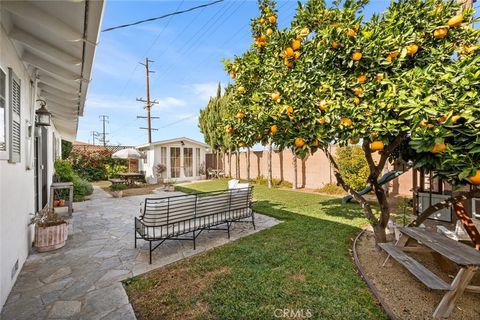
{"points": [[51, 231], [117, 190], [159, 170]]}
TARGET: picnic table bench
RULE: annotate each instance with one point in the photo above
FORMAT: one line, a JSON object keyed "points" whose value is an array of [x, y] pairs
{"points": [[467, 258], [117, 181]]}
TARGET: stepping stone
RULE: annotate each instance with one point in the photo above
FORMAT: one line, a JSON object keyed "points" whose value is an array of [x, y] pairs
{"points": [[64, 309]]}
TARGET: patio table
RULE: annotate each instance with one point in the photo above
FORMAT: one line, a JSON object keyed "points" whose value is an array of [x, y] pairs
{"points": [[464, 256]]}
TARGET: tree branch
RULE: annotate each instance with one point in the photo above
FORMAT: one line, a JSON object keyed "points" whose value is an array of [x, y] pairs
{"points": [[363, 202], [444, 204]]}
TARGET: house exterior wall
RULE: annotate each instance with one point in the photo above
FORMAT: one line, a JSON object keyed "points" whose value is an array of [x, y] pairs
{"points": [[17, 189], [154, 155]]}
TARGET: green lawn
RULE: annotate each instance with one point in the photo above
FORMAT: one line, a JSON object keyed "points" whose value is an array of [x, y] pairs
{"points": [[301, 264]]}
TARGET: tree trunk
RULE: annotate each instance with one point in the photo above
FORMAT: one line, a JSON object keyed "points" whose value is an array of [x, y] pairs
{"points": [[269, 164], [237, 165], [294, 163], [248, 163], [224, 161], [229, 163], [218, 159]]}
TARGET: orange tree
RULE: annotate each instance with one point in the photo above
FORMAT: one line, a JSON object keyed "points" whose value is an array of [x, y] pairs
{"points": [[403, 84]]}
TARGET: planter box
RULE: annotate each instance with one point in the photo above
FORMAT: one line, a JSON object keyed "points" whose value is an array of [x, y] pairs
{"points": [[51, 237]]}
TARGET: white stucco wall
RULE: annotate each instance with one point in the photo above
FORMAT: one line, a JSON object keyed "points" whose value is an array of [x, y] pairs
{"points": [[17, 190]]}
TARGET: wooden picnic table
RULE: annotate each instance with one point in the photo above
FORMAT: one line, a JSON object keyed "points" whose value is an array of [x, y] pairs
{"points": [[130, 177], [466, 257]]}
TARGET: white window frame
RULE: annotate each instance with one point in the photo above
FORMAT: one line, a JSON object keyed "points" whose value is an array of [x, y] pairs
{"points": [[475, 214], [4, 155]]}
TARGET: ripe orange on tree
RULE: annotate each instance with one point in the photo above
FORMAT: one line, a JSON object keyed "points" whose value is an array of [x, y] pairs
{"points": [[356, 56], [356, 100], [289, 110], [233, 74], [289, 52], [346, 122], [274, 129], [439, 147], [377, 145], [299, 142], [357, 91], [272, 19], [322, 121], [476, 178], [362, 78], [296, 44], [455, 21], [351, 33], [241, 89], [335, 44], [412, 49], [455, 119], [240, 115], [276, 96], [440, 33], [269, 31], [323, 105]]}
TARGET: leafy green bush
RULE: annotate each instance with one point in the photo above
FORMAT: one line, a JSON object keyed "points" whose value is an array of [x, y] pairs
{"points": [[331, 188], [118, 187], [112, 170], [66, 149], [92, 164], [65, 172], [353, 166]]}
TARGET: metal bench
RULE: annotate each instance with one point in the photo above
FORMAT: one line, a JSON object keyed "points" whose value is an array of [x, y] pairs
{"points": [[171, 218]]}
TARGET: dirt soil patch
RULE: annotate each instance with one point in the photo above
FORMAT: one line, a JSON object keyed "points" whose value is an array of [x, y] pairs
{"points": [[173, 292], [407, 297]]}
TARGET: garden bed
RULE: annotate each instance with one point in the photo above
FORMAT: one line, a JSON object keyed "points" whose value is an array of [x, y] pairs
{"points": [[405, 296]]}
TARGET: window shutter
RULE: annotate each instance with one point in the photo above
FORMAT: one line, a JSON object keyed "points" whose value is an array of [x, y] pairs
{"points": [[15, 124]]}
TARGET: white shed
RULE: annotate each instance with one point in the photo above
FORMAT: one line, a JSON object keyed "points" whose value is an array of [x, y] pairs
{"points": [[183, 158]]}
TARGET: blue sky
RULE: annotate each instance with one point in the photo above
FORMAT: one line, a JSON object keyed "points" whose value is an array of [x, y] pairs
{"points": [[187, 50]]}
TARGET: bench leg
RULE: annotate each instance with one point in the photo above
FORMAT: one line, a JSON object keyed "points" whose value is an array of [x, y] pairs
{"points": [[253, 221], [194, 241], [228, 229], [150, 251], [135, 239], [461, 281]]}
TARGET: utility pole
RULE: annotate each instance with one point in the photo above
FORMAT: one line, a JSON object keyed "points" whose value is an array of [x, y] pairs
{"points": [[104, 119], [148, 102], [94, 135]]}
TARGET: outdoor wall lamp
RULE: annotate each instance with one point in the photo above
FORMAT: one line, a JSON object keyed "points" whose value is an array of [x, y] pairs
{"points": [[43, 116]]}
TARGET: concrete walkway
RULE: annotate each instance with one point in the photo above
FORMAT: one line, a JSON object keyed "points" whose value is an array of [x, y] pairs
{"points": [[82, 279]]}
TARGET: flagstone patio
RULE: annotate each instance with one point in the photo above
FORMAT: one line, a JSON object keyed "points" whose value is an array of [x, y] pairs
{"points": [[82, 279]]}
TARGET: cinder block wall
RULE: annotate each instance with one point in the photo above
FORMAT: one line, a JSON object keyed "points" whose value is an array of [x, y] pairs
{"points": [[313, 172]]}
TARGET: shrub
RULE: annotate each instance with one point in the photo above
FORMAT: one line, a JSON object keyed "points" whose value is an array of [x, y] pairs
{"points": [[118, 187], [66, 149], [92, 164], [331, 188], [65, 172], [353, 166], [112, 170]]}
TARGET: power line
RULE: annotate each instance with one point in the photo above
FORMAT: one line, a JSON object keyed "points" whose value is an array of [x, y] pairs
{"points": [[162, 17]]}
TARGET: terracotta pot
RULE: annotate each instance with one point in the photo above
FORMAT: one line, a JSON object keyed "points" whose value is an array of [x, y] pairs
{"points": [[51, 237], [61, 203], [117, 194], [56, 203]]}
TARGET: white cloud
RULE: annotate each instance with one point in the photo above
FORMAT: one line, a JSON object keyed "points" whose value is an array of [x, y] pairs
{"points": [[170, 102], [205, 90]]}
